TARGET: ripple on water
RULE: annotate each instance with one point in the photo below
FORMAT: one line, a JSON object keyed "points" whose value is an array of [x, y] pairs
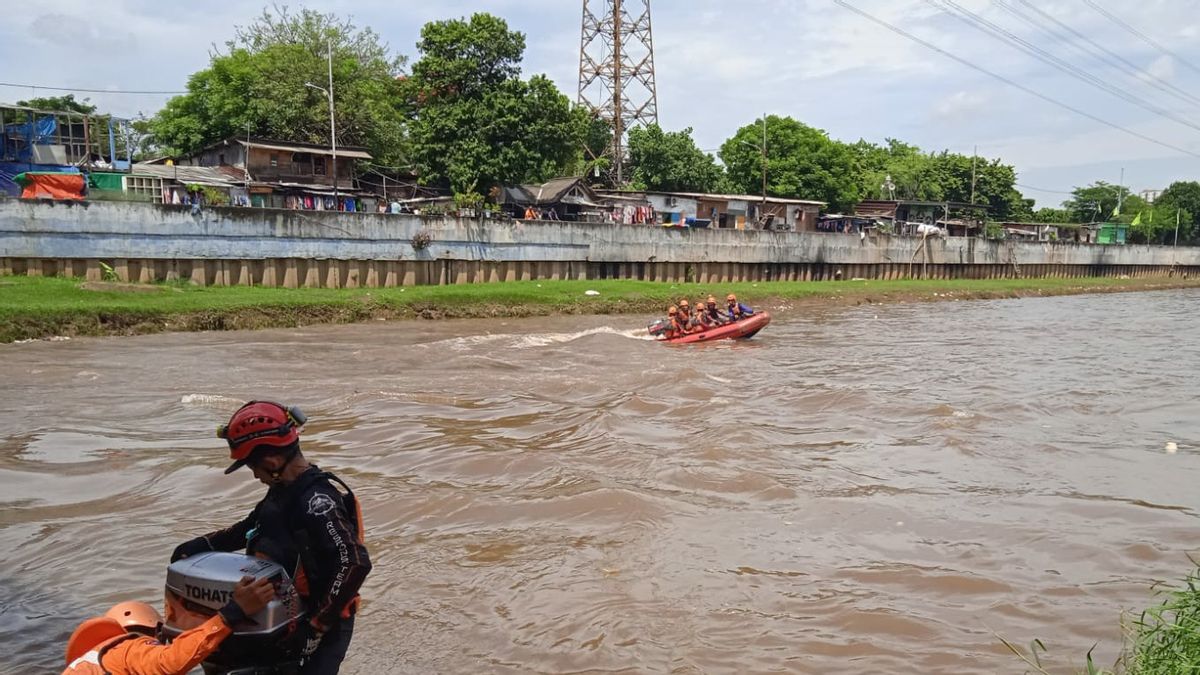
{"points": [[882, 490]]}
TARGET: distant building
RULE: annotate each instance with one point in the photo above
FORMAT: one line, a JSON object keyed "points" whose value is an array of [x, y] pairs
{"points": [[48, 141], [1149, 195], [570, 199], [728, 211], [958, 219], [1061, 232], [285, 174]]}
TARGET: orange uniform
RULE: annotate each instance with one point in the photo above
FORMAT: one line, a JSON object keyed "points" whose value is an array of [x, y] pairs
{"points": [[139, 655]]}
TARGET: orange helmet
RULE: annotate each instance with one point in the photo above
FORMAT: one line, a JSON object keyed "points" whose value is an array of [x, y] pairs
{"points": [[712, 300], [683, 302], [731, 298], [673, 310], [91, 634], [135, 617], [260, 423]]}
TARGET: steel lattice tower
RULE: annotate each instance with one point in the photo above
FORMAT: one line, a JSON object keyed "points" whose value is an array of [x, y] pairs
{"points": [[616, 70]]}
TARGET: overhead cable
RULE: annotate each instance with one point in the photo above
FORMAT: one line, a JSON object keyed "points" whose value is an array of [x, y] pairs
{"points": [[1096, 49], [1145, 38], [1038, 189], [1066, 106], [88, 91], [1004, 35]]}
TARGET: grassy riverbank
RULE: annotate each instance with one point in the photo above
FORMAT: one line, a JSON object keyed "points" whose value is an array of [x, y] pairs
{"points": [[1162, 640], [36, 307]]}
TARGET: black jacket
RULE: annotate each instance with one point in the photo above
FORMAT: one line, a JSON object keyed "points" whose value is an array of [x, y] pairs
{"points": [[314, 531]]}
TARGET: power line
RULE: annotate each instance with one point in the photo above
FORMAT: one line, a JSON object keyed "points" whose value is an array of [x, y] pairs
{"points": [[985, 71], [1012, 39], [1038, 189], [1145, 38], [87, 91], [1105, 54]]}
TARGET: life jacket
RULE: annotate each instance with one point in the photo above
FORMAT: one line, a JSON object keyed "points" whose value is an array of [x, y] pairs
{"points": [[283, 539], [735, 310], [91, 662]]}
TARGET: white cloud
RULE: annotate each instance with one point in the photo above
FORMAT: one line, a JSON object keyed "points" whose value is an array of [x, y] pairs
{"points": [[1162, 68], [960, 106], [720, 64]]}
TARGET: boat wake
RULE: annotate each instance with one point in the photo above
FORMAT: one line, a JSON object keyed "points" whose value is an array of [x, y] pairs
{"points": [[534, 340]]}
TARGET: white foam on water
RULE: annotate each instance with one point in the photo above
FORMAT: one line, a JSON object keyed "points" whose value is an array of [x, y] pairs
{"points": [[210, 400], [528, 340], [544, 339]]}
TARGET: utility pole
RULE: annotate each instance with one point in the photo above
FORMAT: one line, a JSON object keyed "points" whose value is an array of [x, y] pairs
{"points": [[974, 157], [764, 168], [1121, 191], [332, 125], [333, 130]]}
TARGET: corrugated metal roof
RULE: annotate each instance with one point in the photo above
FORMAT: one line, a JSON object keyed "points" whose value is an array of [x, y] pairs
{"points": [[187, 174], [722, 197], [312, 150]]}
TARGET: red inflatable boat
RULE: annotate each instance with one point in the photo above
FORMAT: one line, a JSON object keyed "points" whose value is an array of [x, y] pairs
{"points": [[738, 330]]}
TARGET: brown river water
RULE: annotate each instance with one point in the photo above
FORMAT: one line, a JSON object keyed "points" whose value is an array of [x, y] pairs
{"points": [[880, 489]]}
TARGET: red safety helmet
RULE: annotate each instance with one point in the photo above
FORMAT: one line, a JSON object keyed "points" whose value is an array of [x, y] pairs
{"points": [[91, 634], [260, 423]]}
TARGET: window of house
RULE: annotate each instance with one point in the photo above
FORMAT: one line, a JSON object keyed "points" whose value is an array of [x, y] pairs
{"points": [[318, 165], [274, 160]]}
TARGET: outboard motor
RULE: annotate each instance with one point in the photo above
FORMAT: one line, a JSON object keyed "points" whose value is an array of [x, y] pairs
{"points": [[659, 327], [200, 585]]}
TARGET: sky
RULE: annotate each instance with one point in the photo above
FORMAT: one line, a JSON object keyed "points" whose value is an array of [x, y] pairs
{"points": [[720, 65]]}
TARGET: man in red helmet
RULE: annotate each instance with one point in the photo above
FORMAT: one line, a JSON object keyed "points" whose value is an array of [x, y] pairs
{"points": [[303, 523]]}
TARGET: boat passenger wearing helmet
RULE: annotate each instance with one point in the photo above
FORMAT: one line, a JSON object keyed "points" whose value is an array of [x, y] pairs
{"points": [[715, 315], [304, 523], [124, 640], [679, 323], [736, 310], [700, 320]]}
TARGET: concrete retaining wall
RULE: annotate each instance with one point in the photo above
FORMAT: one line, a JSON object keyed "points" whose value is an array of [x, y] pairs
{"points": [[294, 248]]}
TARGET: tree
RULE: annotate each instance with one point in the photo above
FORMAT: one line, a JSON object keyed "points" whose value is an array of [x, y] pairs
{"points": [[1048, 214], [259, 88], [474, 123], [65, 103], [940, 176], [1185, 196], [670, 161], [1096, 202], [802, 162]]}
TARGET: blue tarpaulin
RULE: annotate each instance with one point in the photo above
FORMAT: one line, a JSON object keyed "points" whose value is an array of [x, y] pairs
{"points": [[25, 136]]}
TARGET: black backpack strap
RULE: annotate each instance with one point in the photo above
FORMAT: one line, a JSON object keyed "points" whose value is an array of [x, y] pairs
{"points": [[300, 534]]}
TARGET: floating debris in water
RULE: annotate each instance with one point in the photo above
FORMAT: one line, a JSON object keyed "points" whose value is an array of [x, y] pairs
{"points": [[1172, 447]]}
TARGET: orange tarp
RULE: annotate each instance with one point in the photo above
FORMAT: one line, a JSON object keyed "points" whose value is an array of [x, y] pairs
{"points": [[52, 186]]}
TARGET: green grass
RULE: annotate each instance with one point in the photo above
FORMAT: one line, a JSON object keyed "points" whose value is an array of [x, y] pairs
{"points": [[1163, 640], [1166, 638], [32, 307]]}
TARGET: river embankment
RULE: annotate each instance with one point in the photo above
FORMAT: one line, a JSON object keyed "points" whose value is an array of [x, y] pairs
{"points": [[38, 307]]}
